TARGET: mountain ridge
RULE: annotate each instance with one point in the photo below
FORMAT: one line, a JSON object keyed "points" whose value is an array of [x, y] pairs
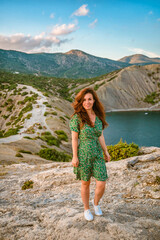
{"points": [[72, 64], [139, 59]]}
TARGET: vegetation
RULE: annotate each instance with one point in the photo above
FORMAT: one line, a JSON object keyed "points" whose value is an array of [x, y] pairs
{"points": [[47, 85], [152, 98], [62, 135], [28, 184], [24, 151], [11, 131], [19, 155], [122, 150], [49, 139], [54, 155]]}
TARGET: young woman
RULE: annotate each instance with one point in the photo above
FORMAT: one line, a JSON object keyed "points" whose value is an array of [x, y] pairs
{"points": [[87, 124]]}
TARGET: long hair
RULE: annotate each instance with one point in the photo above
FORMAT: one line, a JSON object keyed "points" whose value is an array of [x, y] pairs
{"points": [[97, 108]]}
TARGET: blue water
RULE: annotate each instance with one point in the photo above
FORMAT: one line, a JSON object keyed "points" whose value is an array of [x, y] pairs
{"points": [[138, 127]]}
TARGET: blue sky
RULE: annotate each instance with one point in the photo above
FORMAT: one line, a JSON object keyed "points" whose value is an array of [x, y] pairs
{"points": [[110, 28]]}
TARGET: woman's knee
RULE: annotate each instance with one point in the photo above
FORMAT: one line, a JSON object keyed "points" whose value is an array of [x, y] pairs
{"points": [[101, 184], [85, 183]]}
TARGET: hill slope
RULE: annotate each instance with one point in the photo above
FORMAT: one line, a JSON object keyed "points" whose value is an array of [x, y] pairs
{"points": [[73, 64], [139, 59]]}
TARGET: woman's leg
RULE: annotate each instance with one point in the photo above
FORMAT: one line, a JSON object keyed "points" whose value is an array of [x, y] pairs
{"points": [[85, 188], [100, 188]]}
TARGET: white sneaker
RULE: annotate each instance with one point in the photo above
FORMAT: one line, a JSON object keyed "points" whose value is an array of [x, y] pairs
{"points": [[88, 215], [97, 209]]}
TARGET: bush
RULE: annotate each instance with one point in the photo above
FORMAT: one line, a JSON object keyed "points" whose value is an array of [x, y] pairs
{"points": [[54, 113], [122, 150], [54, 155], [11, 131], [27, 184], [24, 151], [19, 155], [1, 134], [51, 140], [27, 137], [62, 135], [24, 93]]}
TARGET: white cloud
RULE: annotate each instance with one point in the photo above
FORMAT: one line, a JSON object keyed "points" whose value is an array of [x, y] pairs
{"points": [[52, 15], [82, 11], [92, 25], [150, 13], [64, 29], [144, 52], [38, 43], [27, 43]]}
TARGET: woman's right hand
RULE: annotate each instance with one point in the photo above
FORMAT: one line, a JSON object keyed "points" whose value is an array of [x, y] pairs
{"points": [[75, 161]]}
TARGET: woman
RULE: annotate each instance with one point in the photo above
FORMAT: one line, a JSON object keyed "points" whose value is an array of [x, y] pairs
{"points": [[87, 124]]}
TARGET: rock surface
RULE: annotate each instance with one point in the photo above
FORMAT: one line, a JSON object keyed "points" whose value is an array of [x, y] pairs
{"points": [[53, 209], [127, 89]]}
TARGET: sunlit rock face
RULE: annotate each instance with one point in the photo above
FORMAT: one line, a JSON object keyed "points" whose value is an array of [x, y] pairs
{"points": [[128, 88], [53, 209]]}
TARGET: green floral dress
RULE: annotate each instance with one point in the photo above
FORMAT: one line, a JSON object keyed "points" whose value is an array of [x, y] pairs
{"points": [[90, 154]]}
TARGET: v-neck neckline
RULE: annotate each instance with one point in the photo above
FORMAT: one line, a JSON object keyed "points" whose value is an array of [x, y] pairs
{"points": [[94, 121]]}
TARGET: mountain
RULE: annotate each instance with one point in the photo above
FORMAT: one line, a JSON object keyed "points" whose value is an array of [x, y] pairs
{"points": [[72, 64], [132, 88], [139, 59]]}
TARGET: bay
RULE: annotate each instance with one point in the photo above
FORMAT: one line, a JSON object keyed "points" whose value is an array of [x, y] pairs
{"points": [[142, 128]]}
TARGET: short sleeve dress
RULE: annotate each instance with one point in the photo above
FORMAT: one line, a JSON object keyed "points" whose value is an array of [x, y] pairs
{"points": [[90, 154]]}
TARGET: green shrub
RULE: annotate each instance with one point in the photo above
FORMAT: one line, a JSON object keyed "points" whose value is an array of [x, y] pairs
{"points": [[5, 116], [54, 113], [48, 105], [122, 150], [67, 117], [24, 151], [51, 140], [27, 137], [10, 108], [1, 134], [54, 155], [19, 155], [11, 131], [24, 93], [46, 113], [62, 118], [62, 135], [29, 116], [28, 184], [10, 100]]}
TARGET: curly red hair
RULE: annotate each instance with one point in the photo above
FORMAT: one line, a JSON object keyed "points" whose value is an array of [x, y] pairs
{"points": [[97, 108]]}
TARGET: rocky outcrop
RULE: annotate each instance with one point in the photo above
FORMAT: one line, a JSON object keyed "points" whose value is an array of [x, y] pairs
{"points": [[127, 89], [52, 209]]}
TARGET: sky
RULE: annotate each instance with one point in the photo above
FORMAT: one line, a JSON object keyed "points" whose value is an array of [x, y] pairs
{"points": [[104, 28]]}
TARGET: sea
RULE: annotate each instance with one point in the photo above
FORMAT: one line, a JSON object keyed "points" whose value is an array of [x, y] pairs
{"points": [[140, 127]]}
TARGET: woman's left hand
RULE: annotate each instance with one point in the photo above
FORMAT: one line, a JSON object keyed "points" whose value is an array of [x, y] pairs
{"points": [[107, 156]]}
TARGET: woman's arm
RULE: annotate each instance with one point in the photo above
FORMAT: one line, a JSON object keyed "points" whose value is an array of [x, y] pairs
{"points": [[104, 147], [75, 161]]}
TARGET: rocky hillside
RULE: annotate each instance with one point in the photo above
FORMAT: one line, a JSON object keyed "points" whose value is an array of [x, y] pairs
{"points": [[133, 87], [139, 59], [73, 64], [26, 115], [52, 207]]}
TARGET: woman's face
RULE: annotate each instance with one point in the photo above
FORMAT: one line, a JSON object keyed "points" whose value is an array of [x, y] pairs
{"points": [[88, 101]]}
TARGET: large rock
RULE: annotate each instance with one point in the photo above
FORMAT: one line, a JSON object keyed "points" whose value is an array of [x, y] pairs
{"points": [[53, 209]]}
